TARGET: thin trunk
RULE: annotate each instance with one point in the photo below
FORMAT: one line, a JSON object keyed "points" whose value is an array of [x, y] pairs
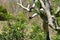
{"points": [[46, 30]]}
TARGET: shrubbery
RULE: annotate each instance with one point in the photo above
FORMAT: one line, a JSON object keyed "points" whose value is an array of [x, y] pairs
{"points": [[15, 31]]}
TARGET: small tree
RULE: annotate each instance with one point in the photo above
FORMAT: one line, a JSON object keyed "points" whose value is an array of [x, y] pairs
{"points": [[44, 9]]}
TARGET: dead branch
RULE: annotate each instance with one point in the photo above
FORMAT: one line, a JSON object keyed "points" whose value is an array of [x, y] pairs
{"points": [[27, 8], [35, 14], [42, 3], [57, 12]]}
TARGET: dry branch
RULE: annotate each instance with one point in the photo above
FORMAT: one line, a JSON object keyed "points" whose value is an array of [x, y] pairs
{"points": [[57, 12], [35, 14], [27, 8]]}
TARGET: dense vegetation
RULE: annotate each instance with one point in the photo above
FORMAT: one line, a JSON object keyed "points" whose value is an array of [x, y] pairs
{"points": [[19, 30]]}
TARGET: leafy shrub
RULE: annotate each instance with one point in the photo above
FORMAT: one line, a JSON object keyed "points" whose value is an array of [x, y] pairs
{"points": [[15, 31], [4, 14]]}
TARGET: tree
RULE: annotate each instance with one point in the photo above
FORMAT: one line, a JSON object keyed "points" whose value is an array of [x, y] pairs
{"points": [[44, 9]]}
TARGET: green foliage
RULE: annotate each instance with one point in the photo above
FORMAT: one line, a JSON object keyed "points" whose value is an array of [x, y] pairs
{"points": [[30, 0], [38, 4], [38, 33], [15, 31], [2, 9], [54, 37], [58, 18], [56, 3], [4, 14]]}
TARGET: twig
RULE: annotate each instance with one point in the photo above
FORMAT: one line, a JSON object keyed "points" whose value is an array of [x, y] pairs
{"points": [[58, 10]]}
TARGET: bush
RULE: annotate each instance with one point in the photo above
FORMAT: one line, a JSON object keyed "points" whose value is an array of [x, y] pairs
{"points": [[4, 14]]}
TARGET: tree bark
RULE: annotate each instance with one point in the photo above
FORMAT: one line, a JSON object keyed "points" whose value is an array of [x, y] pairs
{"points": [[46, 30]]}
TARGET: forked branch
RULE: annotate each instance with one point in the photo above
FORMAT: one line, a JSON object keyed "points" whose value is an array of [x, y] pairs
{"points": [[27, 8]]}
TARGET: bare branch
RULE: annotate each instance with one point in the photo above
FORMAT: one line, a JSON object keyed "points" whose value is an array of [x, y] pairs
{"points": [[58, 10], [33, 5], [34, 1], [42, 3], [42, 10], [27, 8], [35, 14]]}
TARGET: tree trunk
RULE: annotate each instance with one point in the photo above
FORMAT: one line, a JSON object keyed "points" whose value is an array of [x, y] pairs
{"points": [[46, 30]]}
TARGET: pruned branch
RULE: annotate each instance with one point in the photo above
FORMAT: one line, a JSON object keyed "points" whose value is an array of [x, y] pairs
{"points": [[35, 14], [42, 10]]}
